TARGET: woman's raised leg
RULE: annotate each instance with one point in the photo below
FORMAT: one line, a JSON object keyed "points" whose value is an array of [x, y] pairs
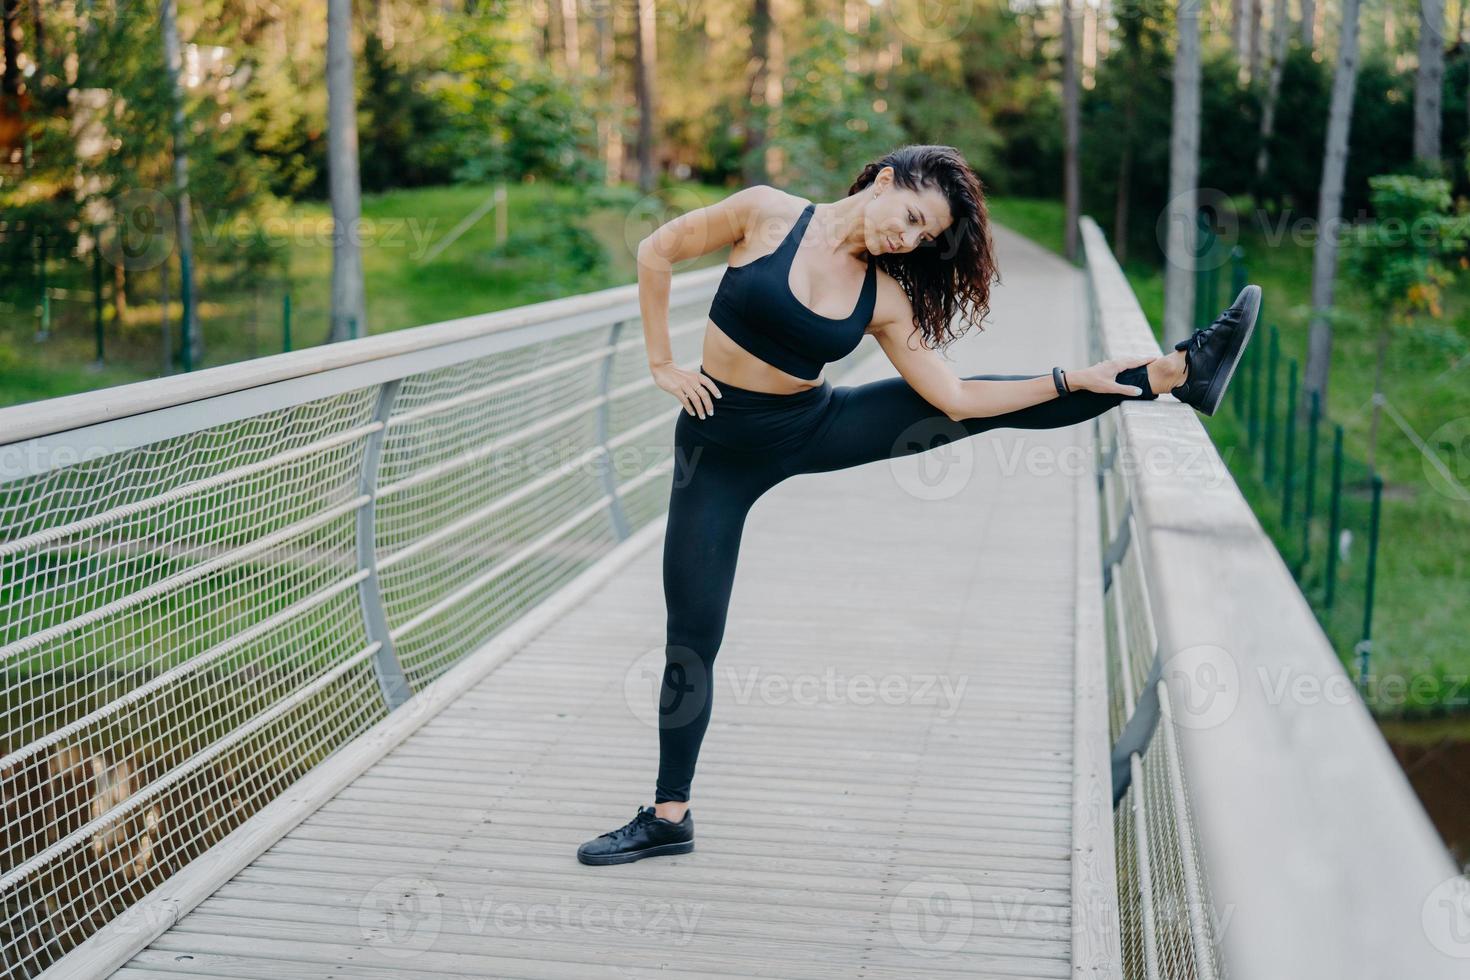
{"points": [[888, 418]]}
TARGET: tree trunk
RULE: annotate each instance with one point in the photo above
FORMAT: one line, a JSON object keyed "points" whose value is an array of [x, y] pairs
{"points": [[1329, 206], [645, 58], [1240, 34], [349, 314], [10, 79], [1309, 14], [1131, 41], [608, 129], [1125, 175], [571, 38], [192, 348], [119, 292], [757, 112], [1279, 29], [1179, 271], [1070, 181], [38, 43], [1253, 61], [1429, 81]]}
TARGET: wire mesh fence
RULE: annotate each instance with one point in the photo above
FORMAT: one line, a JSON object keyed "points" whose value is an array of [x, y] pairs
{"points": [[191, 622]]}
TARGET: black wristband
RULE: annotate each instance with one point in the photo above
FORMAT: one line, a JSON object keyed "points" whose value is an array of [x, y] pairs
{"points": [[1057, 378]]}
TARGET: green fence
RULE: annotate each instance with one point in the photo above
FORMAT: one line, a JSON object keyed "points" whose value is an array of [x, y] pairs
{"points": [[1320, 506]]}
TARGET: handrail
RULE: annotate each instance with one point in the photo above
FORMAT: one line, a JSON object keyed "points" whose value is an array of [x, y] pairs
{"points": [[1270, 798], [27, 421]]}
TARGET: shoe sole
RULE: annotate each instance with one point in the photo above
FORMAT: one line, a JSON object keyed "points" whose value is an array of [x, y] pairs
{"points": [[1216, 392], [628, 857]]}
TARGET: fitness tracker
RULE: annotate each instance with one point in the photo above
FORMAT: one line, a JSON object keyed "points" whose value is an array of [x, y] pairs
{"points": [[1059, 378]]}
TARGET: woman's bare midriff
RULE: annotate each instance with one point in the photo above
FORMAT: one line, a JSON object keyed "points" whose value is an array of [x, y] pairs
{"points": [[727, 361]]}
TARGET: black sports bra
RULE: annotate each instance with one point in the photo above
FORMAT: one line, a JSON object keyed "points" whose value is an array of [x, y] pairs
{"points": [[754, 305]]}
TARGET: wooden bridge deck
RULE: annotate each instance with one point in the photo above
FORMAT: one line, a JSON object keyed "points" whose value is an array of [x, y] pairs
{"points": [[886, 789]]}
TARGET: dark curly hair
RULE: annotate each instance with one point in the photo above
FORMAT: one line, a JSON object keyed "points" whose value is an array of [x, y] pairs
{"points": [[958, 267]]}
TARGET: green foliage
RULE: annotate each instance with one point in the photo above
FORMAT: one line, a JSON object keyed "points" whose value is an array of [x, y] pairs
{"points": [[1399, 259], [401, 121], [511, 118], [829, 125]]}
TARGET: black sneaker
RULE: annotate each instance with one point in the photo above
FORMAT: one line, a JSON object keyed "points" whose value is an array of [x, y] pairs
{"points": [[646, 835], [1211, 354]]}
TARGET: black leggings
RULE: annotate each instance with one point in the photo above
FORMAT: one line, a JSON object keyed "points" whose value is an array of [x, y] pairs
{"points": [[753, 441]]}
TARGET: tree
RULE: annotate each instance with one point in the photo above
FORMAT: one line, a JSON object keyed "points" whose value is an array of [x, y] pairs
{"points": [[758, 111], [645, 60], [1429, 82], [192, 349], [571, 39], [1180, 248], [10, 80], [349, 314], [1071, 99], [1309, 26], [1279, 29], [1329, 204]]}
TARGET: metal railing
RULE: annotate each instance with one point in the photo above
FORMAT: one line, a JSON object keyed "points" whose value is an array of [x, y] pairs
{"points": [[210, 583], [1263, 828]]}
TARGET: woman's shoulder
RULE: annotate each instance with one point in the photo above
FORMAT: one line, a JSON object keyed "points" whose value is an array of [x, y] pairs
{"points": [[771, 212], [891, 306]]}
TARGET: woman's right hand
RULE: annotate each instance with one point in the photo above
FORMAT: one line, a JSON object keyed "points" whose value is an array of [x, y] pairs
{"points": [[1103, 376], [692, 388]]}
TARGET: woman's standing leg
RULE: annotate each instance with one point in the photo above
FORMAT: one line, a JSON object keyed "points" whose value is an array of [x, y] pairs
{"points": [[713, 491], [888, 418]]}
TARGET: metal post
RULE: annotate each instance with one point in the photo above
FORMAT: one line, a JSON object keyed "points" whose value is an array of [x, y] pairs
{"points": [[97, 292], [1309, 491], [1237, 283], [1333, 519], [45, 296], [186, 297], [392, 683], [1365, 645], [286, 323], [609, 477], [1202, 232], [1269, 439], [1253, 378], [1288, 451]]}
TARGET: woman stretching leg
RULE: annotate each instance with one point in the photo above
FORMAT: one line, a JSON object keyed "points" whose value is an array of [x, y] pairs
{"points": [[919, 214]]}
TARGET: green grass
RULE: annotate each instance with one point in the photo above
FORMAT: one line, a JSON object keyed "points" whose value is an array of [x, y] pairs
{"points": [[1421, 600], [553, 248], [1038, 220]]}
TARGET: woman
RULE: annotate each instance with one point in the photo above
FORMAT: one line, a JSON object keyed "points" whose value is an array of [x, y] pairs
{"points": [[911, 242]]}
